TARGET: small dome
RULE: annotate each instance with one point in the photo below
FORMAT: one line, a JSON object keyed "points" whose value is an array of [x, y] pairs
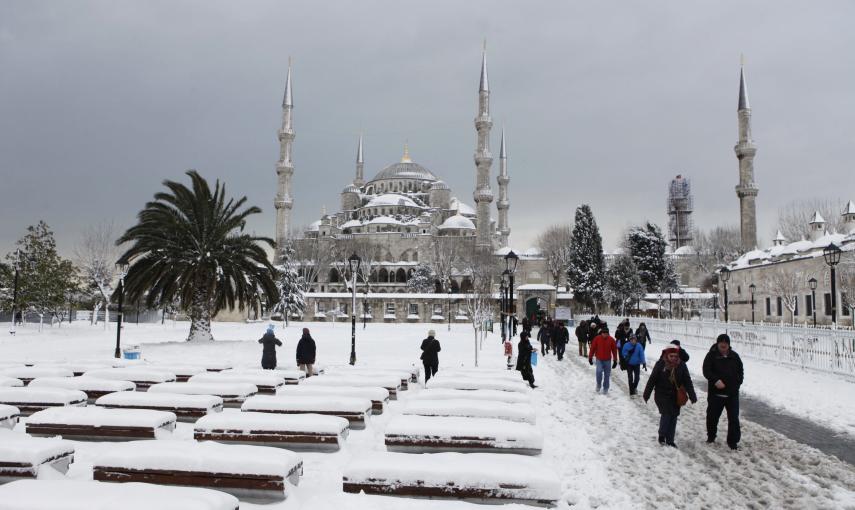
{"points": [[391, 199], [350, 188], [439, 185], [457, 222]]}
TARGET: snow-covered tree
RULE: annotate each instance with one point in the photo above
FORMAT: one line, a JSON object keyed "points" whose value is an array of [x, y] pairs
{"points": [[421, 282], [623, 284], [786, 285], [290, 284], [646, 245], [482, 269], [96, 255], [554, 244], [586, 271]]}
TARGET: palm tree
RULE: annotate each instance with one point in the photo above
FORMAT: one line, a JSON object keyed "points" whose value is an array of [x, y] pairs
{"points": [[189, 246]]}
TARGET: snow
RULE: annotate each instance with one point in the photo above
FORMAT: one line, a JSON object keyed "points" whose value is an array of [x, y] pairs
{"points": [[101, 417], [164, 400], [502, 433], [268, 422], [457, 222], [348, 370], [224, 389], [510, 397], [391, 199], [182, 370], [33, 372], [383, 381], [136, 374], [82, 383], [536, 286], [482, 470], [20, 448], [371, 393], [7, 412], [476, 383], [207, 456], [384, 220], [75, 495], [472, 408], [306, 403], [259, 378], [10, 381], [41, 396]]}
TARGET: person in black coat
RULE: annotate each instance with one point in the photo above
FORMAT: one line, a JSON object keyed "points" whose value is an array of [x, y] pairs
{"points": [[430, 355], [667, 376], [643, 335], [560, 338], [524, 350], [306, 351], [268, 354], [724, 373], [582, 338]]}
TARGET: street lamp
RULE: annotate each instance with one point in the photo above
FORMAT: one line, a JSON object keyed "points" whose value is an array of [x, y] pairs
{"points": [[752, 288], [812, 284], [122, 266], [448, 305], [503, 300], [364, 306], [354, 262], [511, 260], [831, 254], [724, 274]]}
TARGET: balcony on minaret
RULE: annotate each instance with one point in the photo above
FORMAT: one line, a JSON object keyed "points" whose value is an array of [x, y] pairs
{"points": [[483, 195]]}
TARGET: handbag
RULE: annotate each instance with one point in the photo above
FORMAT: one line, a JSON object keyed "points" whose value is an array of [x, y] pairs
{"points": [[682, 394]]}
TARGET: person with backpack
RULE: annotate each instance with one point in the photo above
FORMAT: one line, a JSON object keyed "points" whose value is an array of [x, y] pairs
{"points": [[430, 355], [544, 336], [524, 350], [633, 354], [672, 385], [605, 350], [724, 374], [306, 351], [268, 353]]}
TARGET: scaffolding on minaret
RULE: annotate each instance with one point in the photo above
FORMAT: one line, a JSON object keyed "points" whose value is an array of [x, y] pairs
{"points": [[679, 206]]}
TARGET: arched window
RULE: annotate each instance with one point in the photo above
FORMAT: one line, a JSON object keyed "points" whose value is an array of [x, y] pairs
{"points": [[333, 276], [383, 275], [401, 275]]}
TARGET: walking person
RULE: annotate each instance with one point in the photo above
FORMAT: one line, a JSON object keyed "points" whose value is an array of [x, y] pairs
{"points": [[643, 335], [544, 336], [430, 355], [524, 350], [633, 353], [581, 333], [306, 351], [604, 349], [561, 337], [672, 385], [724, 374], [268, 353]]}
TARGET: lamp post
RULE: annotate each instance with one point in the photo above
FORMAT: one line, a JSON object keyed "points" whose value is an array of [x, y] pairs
{"points": [[752, 288], [123, 271], [511, 260], [812, 284], [831, 254], [448, 306], [724, 275], [354, 262], [503, 300], [364, 307]]}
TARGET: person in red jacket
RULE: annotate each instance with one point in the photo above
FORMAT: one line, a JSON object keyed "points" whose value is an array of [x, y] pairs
{"points": [[604, 348]]}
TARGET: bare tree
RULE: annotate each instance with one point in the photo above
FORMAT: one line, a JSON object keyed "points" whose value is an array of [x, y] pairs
{"points": [[482, 269], [846, 281], [795, 216], [370, 253], [718, 246], [313, 256], [445, 256], [786, 285], [96, 255], [554, 244]]}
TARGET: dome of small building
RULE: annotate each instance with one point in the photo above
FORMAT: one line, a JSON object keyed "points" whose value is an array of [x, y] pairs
{"points": [[439, 185], [457, 222], [391, 199]]}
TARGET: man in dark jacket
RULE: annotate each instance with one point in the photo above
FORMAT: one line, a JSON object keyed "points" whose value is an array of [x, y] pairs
{"points": [[268, 353], [560, 337], [582, 338], [524, 350], [544, 336], [306, 350], [430, 355], [724, 374]]}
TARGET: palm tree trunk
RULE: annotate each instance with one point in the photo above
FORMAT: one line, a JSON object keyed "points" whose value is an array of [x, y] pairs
{"points": [[200, 317]]}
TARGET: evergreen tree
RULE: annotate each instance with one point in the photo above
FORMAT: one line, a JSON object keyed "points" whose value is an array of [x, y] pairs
{"points": [[586, 268], [623, 283], [647, 245], [422, 280], [290, 284]]}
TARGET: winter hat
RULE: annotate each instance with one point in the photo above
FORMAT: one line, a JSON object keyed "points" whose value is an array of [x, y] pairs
{"points": [[723, 338], [668, 350], [675, 342], [431, 333], [270, 328]]}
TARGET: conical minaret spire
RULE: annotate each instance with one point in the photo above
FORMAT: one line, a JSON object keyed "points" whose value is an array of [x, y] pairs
{"points": [[360, 163], [745, 150], [284, 168], [503, 204], [483, 195]]}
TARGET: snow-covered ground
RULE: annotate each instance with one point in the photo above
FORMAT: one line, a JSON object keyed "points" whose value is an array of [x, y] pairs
{"points": [[603, 447]]}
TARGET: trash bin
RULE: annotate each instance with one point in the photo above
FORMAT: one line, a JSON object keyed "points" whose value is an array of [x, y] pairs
{"points": [[132, 352]]}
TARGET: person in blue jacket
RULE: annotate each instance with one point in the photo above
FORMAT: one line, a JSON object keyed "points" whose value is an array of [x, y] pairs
{"points": [[633, 353]]}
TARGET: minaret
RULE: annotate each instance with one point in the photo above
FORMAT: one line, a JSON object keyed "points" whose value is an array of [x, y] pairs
{"points": [[360, 162], [483, 195], [745, 150], [284, 168], [503, 204]]}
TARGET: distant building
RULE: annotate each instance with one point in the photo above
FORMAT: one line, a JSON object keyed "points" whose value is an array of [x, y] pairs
{"points": [[680, 205]]}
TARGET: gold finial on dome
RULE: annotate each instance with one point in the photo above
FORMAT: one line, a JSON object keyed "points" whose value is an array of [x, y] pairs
{"points": [[406, 157]]}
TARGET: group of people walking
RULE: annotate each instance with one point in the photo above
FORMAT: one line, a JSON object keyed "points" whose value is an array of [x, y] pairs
{"points": [[306, 351]]}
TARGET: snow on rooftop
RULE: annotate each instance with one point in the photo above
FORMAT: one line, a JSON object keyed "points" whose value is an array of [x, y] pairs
{"points": [[462, 208], [850, 208], [457, 222], [384, 220], [391, 199], [350, 224], [817, 218]]}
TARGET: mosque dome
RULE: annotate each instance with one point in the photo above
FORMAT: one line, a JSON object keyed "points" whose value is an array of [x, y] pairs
{"points": [[405, 169], [457, 222]]}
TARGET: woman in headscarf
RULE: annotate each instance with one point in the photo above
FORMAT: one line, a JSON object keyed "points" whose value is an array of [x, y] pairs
{"points": [[268, 354], [668, 378]]}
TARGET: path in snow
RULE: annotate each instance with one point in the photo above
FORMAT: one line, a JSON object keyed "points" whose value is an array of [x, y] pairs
{"points": [[606, 452]]}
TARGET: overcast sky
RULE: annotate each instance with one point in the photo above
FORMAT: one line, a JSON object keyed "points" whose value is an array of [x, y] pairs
{"points": [[603, 102]]}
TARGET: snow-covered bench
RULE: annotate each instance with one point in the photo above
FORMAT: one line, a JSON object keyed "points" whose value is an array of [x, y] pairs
{"points": [[477, 383], [471, 408], [143, 377], [216, 366], [91, 386], [77, 495], [437, 433], [27, 374], [182, 372], [185, 407], [232, 393], [22, 456], [511, 397], [480, 373], [391, 383], [377, 395], [265, 380], [30, 400], [9, 416], [244, 471], [347, 370], [477, 476], [10, 382], [354, 410], [297, 431], [101, 424]]}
